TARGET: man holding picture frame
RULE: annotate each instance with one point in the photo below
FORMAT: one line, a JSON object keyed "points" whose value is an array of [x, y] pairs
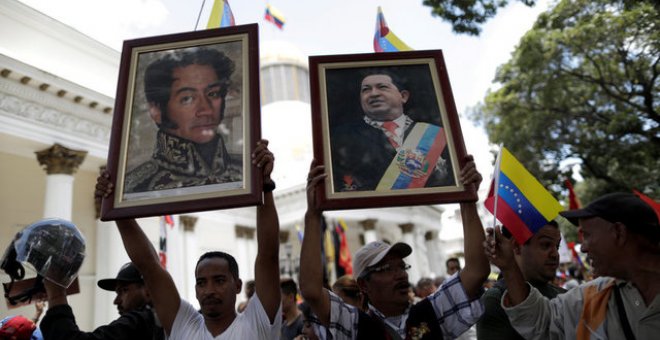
{"points": [[217, 280]]}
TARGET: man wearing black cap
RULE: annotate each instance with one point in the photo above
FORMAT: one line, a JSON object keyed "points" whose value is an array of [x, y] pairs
{"points": [[622, 239], [137, 320], [382, 276]]}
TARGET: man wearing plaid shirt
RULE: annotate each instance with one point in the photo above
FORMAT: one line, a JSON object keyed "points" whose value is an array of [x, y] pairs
{"points": [[381, 274]]}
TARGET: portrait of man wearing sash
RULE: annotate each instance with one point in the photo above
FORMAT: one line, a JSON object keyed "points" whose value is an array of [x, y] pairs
{"points": [[396, 140]]}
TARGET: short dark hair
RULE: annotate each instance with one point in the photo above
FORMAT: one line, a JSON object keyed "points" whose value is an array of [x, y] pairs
{"points": [[348, 286], [424, 283], [453, 259], [158, 77], [397, 79], [289, 287], [233, 266]]}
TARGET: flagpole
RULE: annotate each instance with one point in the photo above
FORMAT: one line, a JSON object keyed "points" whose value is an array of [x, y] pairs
{"points": [[199, 15], [496, 186]]}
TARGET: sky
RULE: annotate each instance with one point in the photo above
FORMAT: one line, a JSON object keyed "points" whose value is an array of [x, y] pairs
{"points": [[326, 28]]}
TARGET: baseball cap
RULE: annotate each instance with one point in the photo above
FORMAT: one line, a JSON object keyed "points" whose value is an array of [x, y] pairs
{"points": [[127, 273], [623, 207], [370, 254]]}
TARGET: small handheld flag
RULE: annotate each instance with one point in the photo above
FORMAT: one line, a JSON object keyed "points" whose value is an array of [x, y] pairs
{"points": [[274, 16], [221, 15], [523, 205], [384, 39]]}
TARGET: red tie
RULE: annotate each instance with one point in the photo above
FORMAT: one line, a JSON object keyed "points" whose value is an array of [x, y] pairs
{"points": [[391, 126]]}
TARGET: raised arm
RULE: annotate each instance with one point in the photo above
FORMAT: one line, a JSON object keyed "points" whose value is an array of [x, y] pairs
{"points": [[266, 267], [164, 294], [311, 265], [476, 264]]}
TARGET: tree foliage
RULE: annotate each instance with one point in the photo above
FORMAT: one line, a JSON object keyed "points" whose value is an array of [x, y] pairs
{"points": [[466, 16], [583, 85]]}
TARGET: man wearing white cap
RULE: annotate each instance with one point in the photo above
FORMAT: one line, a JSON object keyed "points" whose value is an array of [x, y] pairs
{"points": [[380, 271]]}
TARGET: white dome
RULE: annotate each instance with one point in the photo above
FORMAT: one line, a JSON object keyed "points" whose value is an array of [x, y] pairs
{"points": [[281, 52], [288, 127]]}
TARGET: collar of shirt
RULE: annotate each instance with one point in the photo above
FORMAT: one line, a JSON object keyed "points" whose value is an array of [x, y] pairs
{"points": [[403, 122], [397, 323]]}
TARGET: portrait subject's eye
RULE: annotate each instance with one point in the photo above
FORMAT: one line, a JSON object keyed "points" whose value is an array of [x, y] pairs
{"points": [[186, 100], [214, 93]]}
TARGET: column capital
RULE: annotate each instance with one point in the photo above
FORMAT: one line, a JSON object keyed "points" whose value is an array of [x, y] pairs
{"points": [[368, 224], [430, 235], [244, 232], [407, 227], [188, 222], [60, 160]]}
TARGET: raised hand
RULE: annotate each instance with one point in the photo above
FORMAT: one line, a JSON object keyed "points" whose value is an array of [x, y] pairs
{"points": [[263, 158], [499, 249], [315, 176], [469, 174]]}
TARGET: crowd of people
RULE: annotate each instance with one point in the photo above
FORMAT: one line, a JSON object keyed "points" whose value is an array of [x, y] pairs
{"points": [[621, 237]]}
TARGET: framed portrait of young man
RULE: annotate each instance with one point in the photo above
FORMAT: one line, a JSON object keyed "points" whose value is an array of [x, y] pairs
{"points": [[386, 128], [187, 117]]}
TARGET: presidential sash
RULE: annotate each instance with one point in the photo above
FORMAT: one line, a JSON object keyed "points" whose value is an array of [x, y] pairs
{"points": [[415, 160]]}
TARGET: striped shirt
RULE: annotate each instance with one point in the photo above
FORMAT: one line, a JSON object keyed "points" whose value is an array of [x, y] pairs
{"points": [[455, 312]]}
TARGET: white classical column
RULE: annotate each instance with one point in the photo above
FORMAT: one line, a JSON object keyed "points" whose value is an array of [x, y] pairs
{"points": [[60, 164], [286, 254], [242, 251], [190, 254], [369, 226], [433, 253], [408, 237], [251, 254], [110, 256]]}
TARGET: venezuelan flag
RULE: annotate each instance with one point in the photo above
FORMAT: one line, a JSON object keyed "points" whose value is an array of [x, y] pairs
{"points": [[221, 15], [274, 16], [384, 39], [523, 205]]}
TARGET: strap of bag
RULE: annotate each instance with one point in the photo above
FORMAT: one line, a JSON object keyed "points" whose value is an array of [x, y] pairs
{"points": [[622, 314]]}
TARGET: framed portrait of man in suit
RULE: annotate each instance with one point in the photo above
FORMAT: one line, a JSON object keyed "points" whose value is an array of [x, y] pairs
{"points": [[187, 116], [386, 128]]}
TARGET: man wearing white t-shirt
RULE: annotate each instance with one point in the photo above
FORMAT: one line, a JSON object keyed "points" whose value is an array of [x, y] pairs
{"points": [[216, 275]]}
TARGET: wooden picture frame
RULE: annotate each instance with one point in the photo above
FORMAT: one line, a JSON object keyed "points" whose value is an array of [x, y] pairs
{"points": [[187, 117], [368, 165]]}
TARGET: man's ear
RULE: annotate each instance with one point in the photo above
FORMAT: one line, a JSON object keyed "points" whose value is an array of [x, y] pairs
{"points": [[517, 248], [239, 286], [362, 284], [405, 95], [620, 232], [155, 113]]}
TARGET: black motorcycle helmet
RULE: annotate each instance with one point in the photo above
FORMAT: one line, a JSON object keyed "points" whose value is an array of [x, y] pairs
{"points": [[53, 247]]}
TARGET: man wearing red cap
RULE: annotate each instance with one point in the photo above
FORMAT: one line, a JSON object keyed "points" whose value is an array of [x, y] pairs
{"points": [[137, 320], [622, 239], [18, 328], [381, 274]]}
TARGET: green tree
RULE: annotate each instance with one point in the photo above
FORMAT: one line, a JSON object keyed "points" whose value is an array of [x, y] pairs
{"points": [[466, 16], [583, 85]]}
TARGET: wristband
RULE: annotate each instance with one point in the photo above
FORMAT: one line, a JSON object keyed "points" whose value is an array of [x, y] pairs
{"points": [[269, 185]]}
